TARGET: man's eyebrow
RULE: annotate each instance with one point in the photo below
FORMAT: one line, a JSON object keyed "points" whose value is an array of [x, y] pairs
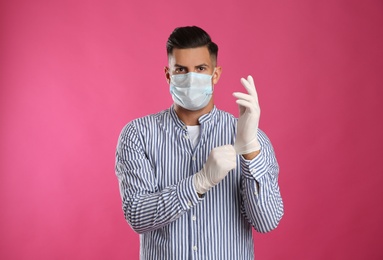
{"points": [[202, 65]]}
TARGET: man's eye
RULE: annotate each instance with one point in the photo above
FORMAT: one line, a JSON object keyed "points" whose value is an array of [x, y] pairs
{"points": [[201, 68], [180, 70]]}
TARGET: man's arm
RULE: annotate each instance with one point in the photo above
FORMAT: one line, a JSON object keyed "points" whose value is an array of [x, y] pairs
{"points": [[251, 156], [262, 203], [145, 207], [261, 200]]}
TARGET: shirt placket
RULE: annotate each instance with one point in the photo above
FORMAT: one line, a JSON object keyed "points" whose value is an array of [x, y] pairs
{"points": [[197, 164], [193, 228]]}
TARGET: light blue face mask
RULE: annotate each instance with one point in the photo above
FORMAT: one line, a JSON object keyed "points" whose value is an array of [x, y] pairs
{"points": [[192, 90]]}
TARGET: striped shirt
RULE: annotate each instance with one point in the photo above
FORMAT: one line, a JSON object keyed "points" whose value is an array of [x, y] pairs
{"points": [[155, 164]]}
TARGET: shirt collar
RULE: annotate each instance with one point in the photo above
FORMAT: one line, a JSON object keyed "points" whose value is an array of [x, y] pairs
{"points": [[208, 117], [202, 120]]}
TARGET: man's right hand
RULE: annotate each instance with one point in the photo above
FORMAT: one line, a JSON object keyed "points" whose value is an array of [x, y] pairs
{"points": [[221, 160]]}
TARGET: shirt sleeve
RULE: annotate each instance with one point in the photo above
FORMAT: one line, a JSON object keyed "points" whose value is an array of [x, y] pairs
{"points": [[262, 203], [145, 207]]}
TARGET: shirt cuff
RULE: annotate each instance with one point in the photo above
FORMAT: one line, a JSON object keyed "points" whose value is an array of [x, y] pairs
{"points": [[255, 168], [187, 194]]}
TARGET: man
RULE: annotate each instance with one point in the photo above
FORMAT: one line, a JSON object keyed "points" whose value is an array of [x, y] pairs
{"points": [[194, 179]]}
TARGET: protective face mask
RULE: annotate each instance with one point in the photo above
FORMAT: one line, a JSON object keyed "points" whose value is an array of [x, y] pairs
{"points": [[191, 90]]}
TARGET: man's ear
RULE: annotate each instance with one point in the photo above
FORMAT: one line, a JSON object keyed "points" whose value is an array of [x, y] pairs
{"points": [[217, 74], [167, 74]]}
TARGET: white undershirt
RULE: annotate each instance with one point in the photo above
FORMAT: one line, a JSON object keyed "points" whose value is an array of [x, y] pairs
{"points": [[193, 131]]}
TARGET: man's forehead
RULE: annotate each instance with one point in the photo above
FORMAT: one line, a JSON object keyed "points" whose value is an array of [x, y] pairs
{"points": [[190, 56]]}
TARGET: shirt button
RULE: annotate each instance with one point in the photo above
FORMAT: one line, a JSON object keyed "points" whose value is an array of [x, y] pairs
{"points": [[189, 203], [193, 158], [194, 218], [195, 248], [186, 137]]}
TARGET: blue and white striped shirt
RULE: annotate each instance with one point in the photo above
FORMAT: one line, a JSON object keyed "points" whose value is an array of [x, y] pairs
{"points": [[155, 164]]}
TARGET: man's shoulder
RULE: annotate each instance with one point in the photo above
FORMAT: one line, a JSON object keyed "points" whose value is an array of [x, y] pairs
{"points": [[152, 116], [148, 121], [224, 114], [145, 125]]}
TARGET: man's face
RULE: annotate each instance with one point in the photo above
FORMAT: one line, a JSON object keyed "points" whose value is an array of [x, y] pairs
{"points": [[192, 60]]}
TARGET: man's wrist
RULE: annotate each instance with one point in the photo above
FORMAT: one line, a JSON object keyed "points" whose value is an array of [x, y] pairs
{"points": [[251, 155]]}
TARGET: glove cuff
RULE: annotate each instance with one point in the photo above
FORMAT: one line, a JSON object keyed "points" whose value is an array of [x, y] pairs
{"points": [[201, 184], [247, 148]]}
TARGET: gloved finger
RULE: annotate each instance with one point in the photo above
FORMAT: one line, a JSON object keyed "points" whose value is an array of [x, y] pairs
{"points": [[251, 80], [244, 96], [246, 104], [250, 87], [249, 100], [254, 94], [225, 149], [226, 152]]}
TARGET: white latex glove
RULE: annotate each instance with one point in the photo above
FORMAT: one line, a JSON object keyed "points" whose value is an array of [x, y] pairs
{"points": [[249, 113], [221, 160]]}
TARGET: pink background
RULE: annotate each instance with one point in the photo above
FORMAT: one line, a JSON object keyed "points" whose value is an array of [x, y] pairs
{"points": [[73, 73]]}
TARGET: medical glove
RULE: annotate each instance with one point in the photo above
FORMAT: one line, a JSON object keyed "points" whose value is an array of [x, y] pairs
{"points": [[221, 160], [249, 112]]}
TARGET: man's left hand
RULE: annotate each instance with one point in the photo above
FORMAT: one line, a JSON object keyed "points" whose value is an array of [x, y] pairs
{"points": [[249, 112]]}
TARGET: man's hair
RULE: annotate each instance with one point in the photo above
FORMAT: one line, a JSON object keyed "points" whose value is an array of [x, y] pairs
{"points": [[191, 37]]}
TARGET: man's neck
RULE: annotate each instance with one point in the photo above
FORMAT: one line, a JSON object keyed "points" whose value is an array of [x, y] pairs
{"points": [[190, 117]]}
